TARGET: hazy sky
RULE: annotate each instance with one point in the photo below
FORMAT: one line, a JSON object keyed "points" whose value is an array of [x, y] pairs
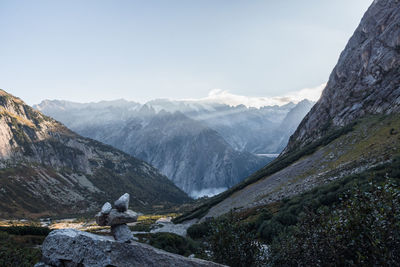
{"points": [[141, 50]]}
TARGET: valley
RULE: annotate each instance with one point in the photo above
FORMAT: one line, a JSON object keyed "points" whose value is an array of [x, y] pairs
{"points": [[204, 148], [222, 180]]}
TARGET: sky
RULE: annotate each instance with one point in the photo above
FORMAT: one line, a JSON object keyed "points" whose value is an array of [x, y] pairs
{"points": [[96, 50]]}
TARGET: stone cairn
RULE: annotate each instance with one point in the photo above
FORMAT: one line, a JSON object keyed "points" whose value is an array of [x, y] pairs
{"points": [[118, 218]]}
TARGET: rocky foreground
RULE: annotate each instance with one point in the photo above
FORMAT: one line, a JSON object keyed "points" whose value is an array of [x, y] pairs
{"points": [[74, 248], [69, 247]]}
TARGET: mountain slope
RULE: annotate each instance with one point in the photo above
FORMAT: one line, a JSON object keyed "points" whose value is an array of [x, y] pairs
{"points": [[196, 158], [354, 127], [249, 129], [48, 170], [365, 79]]}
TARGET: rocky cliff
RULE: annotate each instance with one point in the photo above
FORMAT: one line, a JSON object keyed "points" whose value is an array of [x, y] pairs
{"points": [[354, 126], [46, 169], [366, 79]]}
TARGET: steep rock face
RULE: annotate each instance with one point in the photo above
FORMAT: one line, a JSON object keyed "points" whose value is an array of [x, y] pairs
{"points": [[47, 169], [366, 79], [362, 95], [290, 123], [196, 158]]}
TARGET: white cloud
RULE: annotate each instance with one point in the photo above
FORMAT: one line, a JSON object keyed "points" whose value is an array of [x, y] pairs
{"points": [[312, 94], [225, 97], [209, 192]]}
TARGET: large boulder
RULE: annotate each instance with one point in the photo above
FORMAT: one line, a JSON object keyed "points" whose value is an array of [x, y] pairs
{"points": [[73, 248]]}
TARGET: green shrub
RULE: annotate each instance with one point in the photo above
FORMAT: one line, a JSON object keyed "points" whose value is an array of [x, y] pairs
{"points": [[16, 254], [265, 215], [363, 230], [197, 231], [25, 230], [286, 218], [173, 243], [269, 230], [233, 243]]}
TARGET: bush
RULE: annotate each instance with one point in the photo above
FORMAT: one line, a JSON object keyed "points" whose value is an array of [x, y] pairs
{"points": [[173, 243], [362, 230], [232, 243], [269, 229], [16, 254], [286, 218], [197, 231], [25, 230]]}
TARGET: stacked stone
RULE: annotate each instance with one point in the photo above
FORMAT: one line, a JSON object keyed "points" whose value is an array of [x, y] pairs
{"points": [[118, 218]]}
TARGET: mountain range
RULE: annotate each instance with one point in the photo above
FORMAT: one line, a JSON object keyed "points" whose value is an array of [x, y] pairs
{"points": [[203, 147], [46, 169]]}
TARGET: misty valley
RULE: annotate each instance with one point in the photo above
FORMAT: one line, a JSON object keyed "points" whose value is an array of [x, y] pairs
{"points": [[222, 180]]}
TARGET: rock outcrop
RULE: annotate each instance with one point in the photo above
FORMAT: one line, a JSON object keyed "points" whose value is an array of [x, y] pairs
{"points": [[73, 248], [366, 79]]}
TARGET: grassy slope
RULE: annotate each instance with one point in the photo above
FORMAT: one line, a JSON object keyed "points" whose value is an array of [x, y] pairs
{"points": [[374, 137]]}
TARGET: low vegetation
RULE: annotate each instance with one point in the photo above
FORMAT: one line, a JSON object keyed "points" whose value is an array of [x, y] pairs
{"points": [[331, 217], [363, 230], [170, 242], [19, 245], [25, 230]]}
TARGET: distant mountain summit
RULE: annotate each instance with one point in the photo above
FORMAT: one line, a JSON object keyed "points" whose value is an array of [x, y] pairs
{"points": [[203, 147], [46, 169], [366, 78]]}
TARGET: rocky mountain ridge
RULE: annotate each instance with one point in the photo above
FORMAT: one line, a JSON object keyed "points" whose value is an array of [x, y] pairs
{"points": [[204, 149], [354, 127], [365, 79], [48, 169]]}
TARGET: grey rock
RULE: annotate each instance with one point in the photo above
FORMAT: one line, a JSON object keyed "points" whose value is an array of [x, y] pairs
{"points": [[70, 247], [116, 218], [106, 208], [122, 203], [101, 219], [41, 264], [178, 229], [122, 233], [365, 80]]}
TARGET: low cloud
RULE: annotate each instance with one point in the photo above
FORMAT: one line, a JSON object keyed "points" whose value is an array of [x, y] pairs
{"points": [[207, 192], [225, 97]]}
